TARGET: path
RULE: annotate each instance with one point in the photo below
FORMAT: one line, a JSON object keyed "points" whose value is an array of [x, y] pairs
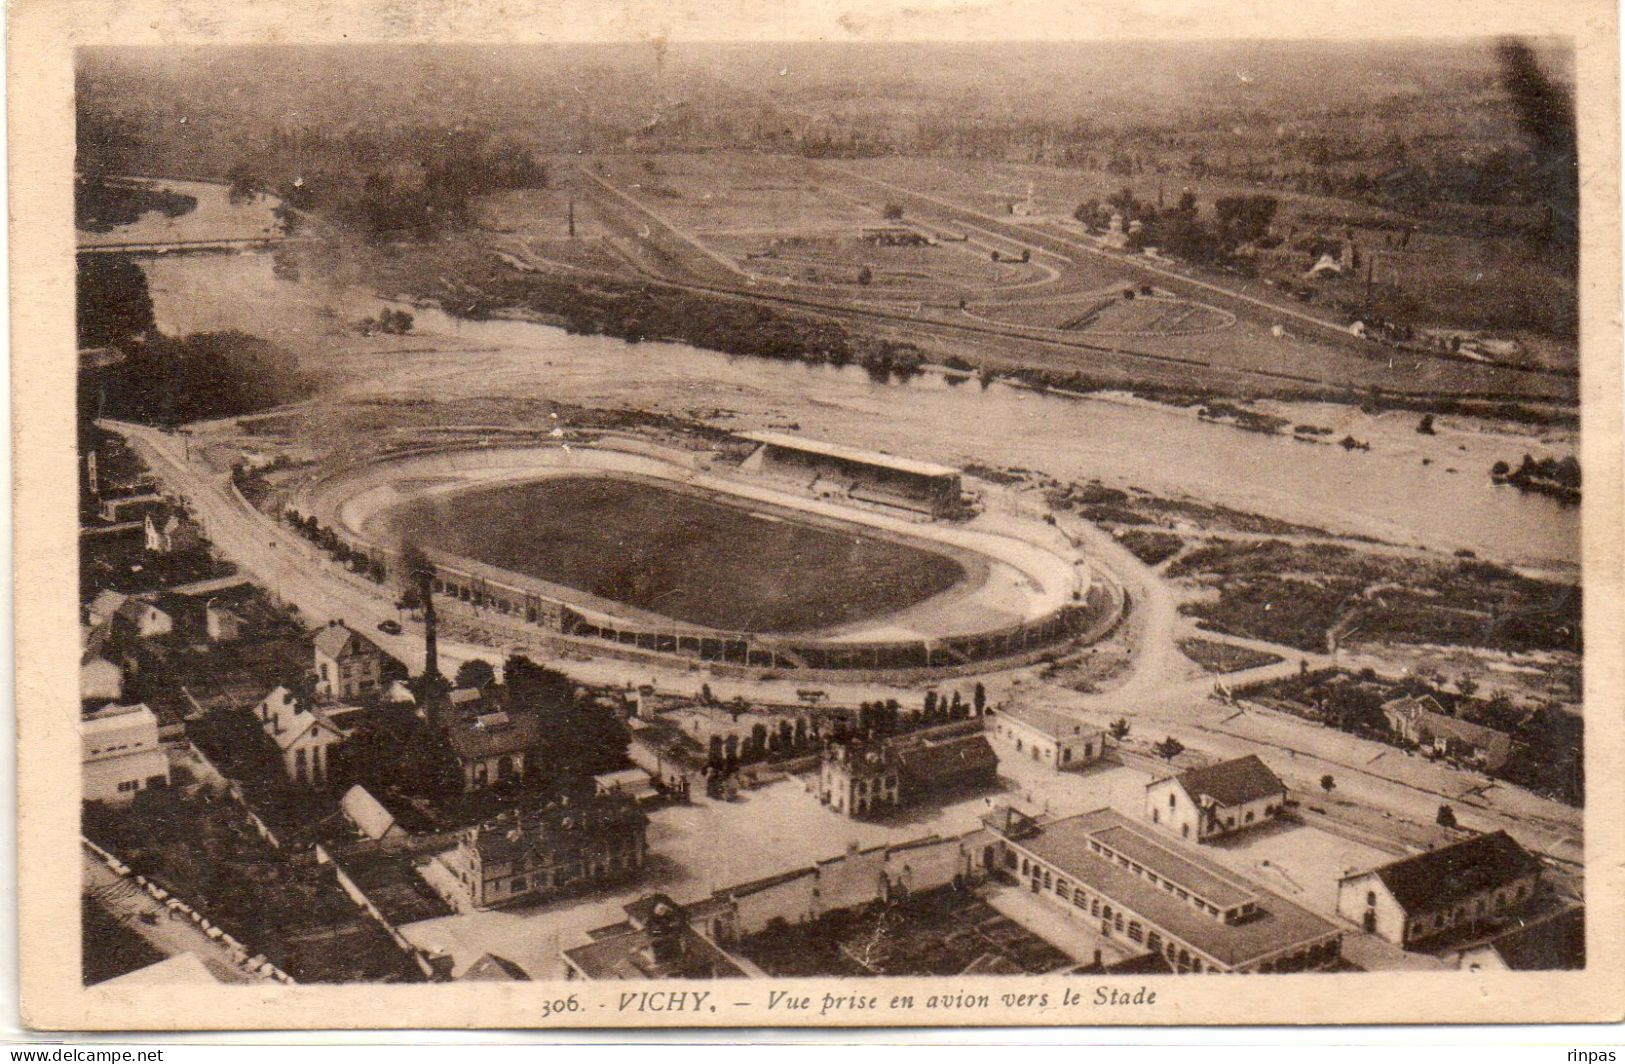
{"points": [[168, 934]]}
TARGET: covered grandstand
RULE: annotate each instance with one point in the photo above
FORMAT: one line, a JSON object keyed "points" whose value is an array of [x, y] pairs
{"points": [[868, 476]]}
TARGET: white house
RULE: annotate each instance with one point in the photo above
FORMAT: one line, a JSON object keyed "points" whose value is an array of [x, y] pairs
{"points": [[1479, 882], [121, 753], [348, 665], [1205, 803], [168, 533], [306, 735], [1053, 739], [142, 619], [104, 606]]}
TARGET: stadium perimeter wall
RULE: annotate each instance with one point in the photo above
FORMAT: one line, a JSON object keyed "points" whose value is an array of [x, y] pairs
{"points": [[567, 619]]}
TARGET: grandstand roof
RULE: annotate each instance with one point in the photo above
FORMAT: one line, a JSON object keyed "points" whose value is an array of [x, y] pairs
{"points": [[851, 454]]}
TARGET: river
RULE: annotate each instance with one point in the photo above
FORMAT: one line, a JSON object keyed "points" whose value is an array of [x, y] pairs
{"points": [[1388, 492]]}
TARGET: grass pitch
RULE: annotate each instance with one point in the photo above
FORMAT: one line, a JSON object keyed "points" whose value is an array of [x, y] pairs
{"points": [[683, 556]]}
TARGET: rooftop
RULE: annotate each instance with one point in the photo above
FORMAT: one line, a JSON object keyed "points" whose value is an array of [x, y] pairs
{"points": [[112, 716], [336, 640], [850, 454], [1558, 943], [1053, 724], [1235, 782], [1440, 878], [182, 968], [493, 969], [529, 832], [676, 953], [1488, 739], [932, 760], [1276, 926], [475, 735], [1212, 883]]}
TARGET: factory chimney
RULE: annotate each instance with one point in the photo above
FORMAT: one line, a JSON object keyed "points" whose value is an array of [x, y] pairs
{"points": [[417, 573]]}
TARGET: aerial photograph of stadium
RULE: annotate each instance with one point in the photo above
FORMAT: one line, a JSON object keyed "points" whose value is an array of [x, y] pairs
{"points": [[704, 511]]}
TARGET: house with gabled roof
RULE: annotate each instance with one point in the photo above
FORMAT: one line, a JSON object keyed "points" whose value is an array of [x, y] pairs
{"points": [[305, 734], [1473, 883], [493, 742], [171, 533], [102, 608], [370, 816], [1058, 740], [1424, 722], [347, 663], [139, 618], [1205, 803]]}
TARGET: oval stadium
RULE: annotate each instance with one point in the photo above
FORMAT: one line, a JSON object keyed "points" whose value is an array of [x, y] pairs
{"points": [[806, 558]]}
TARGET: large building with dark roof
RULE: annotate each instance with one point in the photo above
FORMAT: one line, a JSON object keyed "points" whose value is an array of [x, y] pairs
{"points": [[1151, 896], [864, 778], [1557, 943], [1205, 803], [1473, 883], [528, 855]]}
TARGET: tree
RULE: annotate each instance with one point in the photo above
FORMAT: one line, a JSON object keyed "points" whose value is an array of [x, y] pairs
{"points": [[245, 184], [1447, 817], [865, 275], [1119, 729], [1327, 783], [892, 212], [1467, 685], [930, 705], [476, 672], [115, 304], [978, 698], [1169, 748], [580, 738]]}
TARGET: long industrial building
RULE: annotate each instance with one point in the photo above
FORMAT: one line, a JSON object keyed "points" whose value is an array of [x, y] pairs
{"points": [[1141, 891]]}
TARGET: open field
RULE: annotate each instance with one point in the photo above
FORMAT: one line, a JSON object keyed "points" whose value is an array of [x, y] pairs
{"points": [[678, 554], [666, 229], [1110, 313], [1447, 273], [837, 260]]}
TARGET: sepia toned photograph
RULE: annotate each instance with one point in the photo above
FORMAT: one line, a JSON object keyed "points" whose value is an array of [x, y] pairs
{"points": [[860, 528]]}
